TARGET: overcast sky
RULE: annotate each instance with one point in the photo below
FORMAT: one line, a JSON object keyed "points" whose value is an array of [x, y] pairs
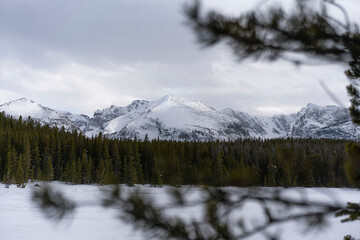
{"points": [[84, 55]]}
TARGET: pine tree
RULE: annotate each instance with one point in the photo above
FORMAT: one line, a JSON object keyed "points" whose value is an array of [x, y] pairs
{"points": [[219, 172], [271, 175], [332, 182], [352, 166], [286, 177], [131, 175], [79, 170], [147, 159], [86, 168], [10, 160], [19, 174], [1, 168], [26, 163], [156, 179], [137, 164], [58, 160], [48, 169], [69, 173], [36, 161], [102, 172], [116, 159]]}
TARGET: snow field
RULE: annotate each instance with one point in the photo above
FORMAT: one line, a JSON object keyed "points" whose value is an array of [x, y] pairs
{"points": [[22, 220]]}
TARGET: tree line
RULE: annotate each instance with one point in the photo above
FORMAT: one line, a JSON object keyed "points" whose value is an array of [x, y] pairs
{"points": [[29, 151]]}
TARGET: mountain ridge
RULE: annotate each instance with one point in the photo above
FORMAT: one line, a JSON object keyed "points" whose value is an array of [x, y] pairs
{"points": [[177, 118]]}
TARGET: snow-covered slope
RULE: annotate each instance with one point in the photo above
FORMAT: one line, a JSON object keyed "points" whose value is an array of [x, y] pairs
{"points": [[177, 118], [312, 121], [28, 108], [263, 127], [81, 121], [316, 121], [22, 219]]}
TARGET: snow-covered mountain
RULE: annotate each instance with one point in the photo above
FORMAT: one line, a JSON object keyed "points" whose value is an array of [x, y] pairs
{"points": [[177, 118], [263, 127], [28, 108], [314, 121], [174, 118]]}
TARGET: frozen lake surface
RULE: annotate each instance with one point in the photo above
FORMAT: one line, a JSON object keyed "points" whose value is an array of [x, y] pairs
{"points": [[21, 219]]}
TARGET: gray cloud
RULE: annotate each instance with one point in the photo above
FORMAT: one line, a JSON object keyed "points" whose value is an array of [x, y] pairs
{"points": [[85, 55], [94, 32]]}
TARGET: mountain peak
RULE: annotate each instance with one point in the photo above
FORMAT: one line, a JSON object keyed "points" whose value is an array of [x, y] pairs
{"points": [[21, 100], [28, 108], [21, 106], [312, 105], [177, 99], [167, 97], [177, 118]]}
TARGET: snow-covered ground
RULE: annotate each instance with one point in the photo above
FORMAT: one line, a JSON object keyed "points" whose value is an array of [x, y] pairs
{"points": [[20, 219]]}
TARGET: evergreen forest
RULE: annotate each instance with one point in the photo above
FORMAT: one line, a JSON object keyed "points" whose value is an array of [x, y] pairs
{"points": [[29, 151]]}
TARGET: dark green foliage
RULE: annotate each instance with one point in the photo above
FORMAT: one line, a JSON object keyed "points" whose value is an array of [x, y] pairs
{"points": [[69, 174], [8, 166], [273, 33], [86, 165], [355, 103], [349, 237], [219, 172], [352, 44], [45, 153], [352, 166], [48, 170], [54, 204], [103, 171], [156, 179], [271, 175], [352, 212], [19, 172], [130, 171]]}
